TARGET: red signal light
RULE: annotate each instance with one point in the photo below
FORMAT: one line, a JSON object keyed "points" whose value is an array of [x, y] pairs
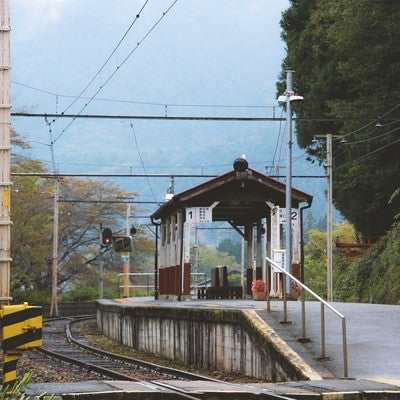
{"points": [[106, 236]]}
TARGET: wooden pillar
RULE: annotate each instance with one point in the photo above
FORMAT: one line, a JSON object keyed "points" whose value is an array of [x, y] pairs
{"points": [[162, 269], [168, 242], [172, 240], [250, 276], [259, 251]]}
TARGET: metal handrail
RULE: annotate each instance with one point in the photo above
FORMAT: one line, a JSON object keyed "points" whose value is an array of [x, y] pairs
{"points": [[323, 305]]}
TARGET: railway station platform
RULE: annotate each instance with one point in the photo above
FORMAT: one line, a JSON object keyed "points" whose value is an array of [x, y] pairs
{"points": [[372, 332], [310, 390], [373, 350], [372, 338]]}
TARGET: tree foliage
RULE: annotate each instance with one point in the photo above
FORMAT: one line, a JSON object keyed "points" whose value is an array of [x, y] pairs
{"points": [[210, 257], [81, 213], [346, 59], [374, 277], [231, 247], [316, 260]]}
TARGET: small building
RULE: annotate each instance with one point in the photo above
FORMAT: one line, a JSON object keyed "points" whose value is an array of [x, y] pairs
{"points": [[248, 200]]}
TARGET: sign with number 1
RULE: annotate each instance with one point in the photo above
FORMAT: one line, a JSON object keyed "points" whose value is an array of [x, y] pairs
{"points": [[198, 215]]}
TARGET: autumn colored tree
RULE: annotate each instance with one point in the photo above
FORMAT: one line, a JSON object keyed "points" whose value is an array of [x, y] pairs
{"points": [[84, 205]]}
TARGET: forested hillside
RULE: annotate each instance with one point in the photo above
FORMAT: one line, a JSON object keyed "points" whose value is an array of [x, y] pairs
{"points": [[346, 59], [375, 277]]}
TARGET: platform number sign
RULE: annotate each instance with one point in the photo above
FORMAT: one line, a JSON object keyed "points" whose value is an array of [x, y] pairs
{"points": [[198, 215]]}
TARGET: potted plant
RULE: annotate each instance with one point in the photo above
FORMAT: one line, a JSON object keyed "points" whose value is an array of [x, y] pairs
{"points": [[259, 289], [295, 290]]}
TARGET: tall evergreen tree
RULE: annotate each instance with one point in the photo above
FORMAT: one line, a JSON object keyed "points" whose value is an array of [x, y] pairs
{"points": [[346, 59]]}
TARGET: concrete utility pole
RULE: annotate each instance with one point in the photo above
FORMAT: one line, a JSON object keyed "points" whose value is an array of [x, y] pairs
{"points": [[5, 147], [329, 217], [54, 272], [329, 238]]}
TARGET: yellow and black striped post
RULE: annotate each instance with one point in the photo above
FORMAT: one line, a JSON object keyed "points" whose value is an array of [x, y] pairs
{"points": [[21, 329], [10, 367]]}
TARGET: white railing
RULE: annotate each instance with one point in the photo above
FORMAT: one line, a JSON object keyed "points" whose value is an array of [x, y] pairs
{"points": [[323, 305], [148, 281]]}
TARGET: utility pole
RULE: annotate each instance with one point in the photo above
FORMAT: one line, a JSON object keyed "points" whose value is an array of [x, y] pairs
{"points": [[54, 271], [329, 217], [329, 250], [288, 204], [5, 146], [287, 98]]}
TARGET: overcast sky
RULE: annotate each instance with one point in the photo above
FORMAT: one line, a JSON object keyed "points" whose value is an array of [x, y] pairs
{"points": [[208, 52]]}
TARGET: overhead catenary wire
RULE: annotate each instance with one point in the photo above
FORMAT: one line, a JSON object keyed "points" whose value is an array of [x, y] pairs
{"points": [[101, 87], [368, 139], [87, 175], [107, 60], [150, 103], [141, 160], [192, 118], [278, 140], [367, 154], [372, 121]]}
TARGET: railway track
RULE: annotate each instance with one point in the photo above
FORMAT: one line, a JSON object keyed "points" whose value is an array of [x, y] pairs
{"points": [[63, 341]]}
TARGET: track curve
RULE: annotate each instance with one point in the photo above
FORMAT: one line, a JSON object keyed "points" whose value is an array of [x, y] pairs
{"points": [[63, 341]]}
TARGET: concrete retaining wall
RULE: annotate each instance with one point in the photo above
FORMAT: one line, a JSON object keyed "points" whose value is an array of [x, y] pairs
{"points": [[231, 341]]}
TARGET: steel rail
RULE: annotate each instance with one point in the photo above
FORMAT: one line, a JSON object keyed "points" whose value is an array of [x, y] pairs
{"points": [[263, 393], [106, 372], [129, 360]]}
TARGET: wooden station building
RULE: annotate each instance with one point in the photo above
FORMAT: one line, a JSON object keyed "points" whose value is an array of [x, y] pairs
{"points": [[242, 197]]}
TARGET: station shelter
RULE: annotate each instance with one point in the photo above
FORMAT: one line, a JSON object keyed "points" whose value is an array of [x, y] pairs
{"points": [[252, 203]]}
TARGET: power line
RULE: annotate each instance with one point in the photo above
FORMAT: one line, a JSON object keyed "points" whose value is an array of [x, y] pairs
{"points": [[109, 201], [65, 175], [189, 118], [141, 159], [367, 154], [108, 58], [119, 66], [277, 144], [373, 137], [148, 103], [374, 120], [84, 175]]}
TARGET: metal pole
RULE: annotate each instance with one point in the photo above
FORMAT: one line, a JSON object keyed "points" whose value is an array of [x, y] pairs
{"points": [[54, 304], [323, 331], [288, 224], [242, 264], [5, 146], [302, 278], [329, 254], [344, 337], [101, 280]]}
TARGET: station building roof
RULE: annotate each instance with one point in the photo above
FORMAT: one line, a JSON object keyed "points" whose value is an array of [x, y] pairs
{"points": [[242, 197]]}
